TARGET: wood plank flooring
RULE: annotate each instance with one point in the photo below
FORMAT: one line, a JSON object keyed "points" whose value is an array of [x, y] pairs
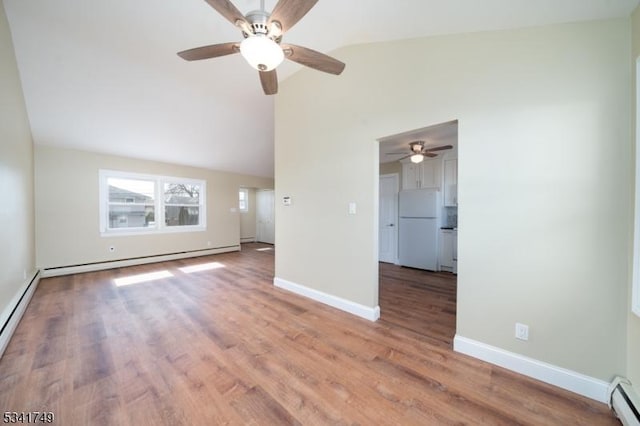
{"points": [[224, 346], [421, 301]]}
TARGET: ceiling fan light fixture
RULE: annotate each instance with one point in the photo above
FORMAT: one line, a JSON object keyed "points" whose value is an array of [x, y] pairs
{"points": [[417, 158], [261, 52]]}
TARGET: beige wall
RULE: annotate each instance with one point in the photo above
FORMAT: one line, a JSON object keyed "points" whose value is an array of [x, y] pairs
{"points": [[16, 178], [633, 323], [543, 177], [248, 218], [67, 218]]}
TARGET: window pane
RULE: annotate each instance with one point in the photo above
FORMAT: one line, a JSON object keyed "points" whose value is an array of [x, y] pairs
{"points": [[181, 215], [134, 216], [130, 191], [181, 193], [243, 202]]}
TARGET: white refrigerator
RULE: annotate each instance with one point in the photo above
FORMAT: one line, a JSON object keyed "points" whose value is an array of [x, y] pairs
{"points": [[418, 228]]}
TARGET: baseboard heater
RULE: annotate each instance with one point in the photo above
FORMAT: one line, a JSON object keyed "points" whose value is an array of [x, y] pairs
{"points": [[133, 261], [624, 402], [15, 310]]}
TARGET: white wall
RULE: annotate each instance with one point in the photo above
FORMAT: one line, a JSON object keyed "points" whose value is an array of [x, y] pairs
{"points": [[17, 253], [543, 179], [67, 217]]}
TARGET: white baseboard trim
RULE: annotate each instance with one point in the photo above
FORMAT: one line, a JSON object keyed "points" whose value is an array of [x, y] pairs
{"points": [[371, 314], [11, 315], [566, 379], [247, 239], [99, 266]]}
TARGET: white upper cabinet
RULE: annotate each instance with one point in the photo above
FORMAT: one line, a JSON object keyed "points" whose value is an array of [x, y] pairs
{"points": [[451, 183], [411, 176], [432, 173], [427, 174]]}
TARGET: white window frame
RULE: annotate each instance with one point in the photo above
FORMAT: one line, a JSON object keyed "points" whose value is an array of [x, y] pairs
{"points": [[635, 283], [159, 205], [246, 200]]}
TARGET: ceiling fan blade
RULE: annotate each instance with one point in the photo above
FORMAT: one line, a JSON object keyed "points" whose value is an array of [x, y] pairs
{"points": [[406, 156], [438, 148], [288, 12], [211, 51], [430, 155], [396, 153], [313, 59], [269, 80], [227, 10]]}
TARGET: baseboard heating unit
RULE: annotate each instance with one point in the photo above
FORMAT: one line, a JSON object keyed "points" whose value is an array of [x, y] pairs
{"points": [[624, 402]]}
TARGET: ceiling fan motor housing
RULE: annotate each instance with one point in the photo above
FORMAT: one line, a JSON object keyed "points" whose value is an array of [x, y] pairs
{"points": [[258, 22], [417, 146]]}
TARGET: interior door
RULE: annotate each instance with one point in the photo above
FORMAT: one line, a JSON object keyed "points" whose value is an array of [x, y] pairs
{"points": [[265, 217], [388, 219]]}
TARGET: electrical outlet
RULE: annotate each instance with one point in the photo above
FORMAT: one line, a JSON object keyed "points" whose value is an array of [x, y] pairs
{"points": [[522, 331]]}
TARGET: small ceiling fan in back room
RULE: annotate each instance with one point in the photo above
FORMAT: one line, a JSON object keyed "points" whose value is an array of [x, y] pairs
{"points": [[418, 151], [262, 47]]}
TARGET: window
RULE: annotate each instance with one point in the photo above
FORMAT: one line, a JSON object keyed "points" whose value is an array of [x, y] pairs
{"points": [[243, 203], [134, 203]]}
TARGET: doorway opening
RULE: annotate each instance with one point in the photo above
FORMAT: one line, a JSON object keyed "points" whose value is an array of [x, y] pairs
{"points": [[257, 215], [418, 230]]}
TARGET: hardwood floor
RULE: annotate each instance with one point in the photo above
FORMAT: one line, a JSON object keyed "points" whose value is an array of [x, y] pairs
{"points": [[224, 346], [421, 301]]}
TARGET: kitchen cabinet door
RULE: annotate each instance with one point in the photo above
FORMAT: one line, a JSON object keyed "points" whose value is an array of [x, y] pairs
{"points": [[446, 250], [411, 176], [451, 183], [431, 174]]}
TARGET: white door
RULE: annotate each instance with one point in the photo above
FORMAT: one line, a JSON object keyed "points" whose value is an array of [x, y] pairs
{"points": [[265, 218], [388, 219]]}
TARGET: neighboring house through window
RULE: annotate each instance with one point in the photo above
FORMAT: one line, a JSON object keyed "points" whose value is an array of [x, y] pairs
{"points": [[136, 203]]}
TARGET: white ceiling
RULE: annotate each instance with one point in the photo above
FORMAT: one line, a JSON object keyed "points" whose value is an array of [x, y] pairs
{"points": [[104, 75]]}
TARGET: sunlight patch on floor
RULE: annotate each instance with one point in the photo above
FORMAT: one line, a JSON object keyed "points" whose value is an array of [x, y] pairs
{"points": [[201, 267], [141, 278], [265, 249]]}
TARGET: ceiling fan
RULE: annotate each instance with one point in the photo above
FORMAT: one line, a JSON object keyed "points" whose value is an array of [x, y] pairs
{"points": [[262, 46], [418, 151]]}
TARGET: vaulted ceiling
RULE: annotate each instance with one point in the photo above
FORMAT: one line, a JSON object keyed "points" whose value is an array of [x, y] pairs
{"points": [[104, 75]]}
